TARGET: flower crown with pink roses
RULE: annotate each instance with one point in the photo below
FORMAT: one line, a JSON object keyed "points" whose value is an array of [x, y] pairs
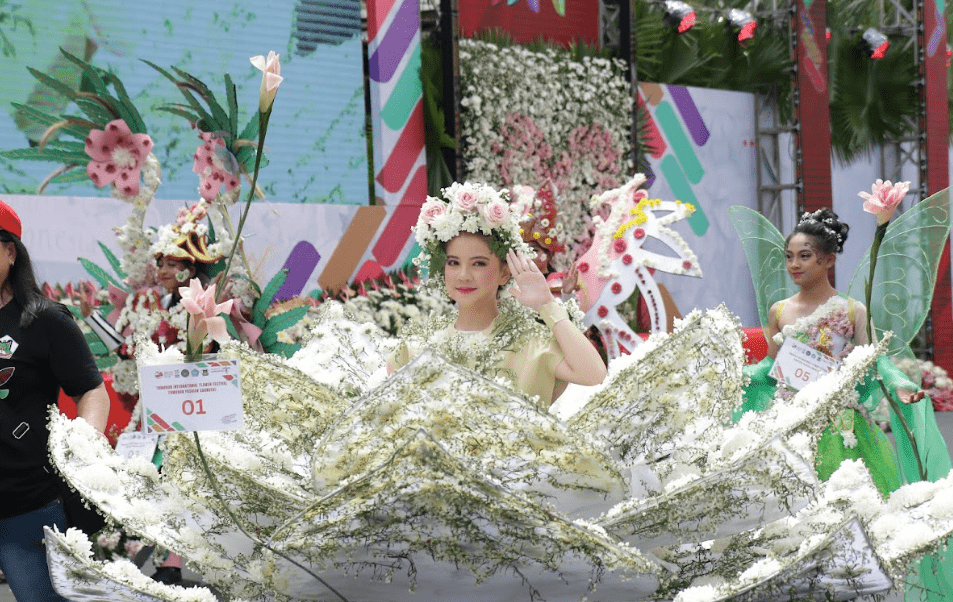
{"points": [[467, 207]]}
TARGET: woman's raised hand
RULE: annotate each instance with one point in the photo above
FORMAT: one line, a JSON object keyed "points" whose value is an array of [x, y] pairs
{"points": [[531, 287]]}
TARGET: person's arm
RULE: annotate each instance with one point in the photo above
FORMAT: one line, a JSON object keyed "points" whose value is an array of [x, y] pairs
{"points": [[860, 325], [93, 407], [581, 363], [773, 328]]}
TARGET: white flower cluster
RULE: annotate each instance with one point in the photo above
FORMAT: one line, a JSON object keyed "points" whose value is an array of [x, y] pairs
{"points": [[521, 119]]}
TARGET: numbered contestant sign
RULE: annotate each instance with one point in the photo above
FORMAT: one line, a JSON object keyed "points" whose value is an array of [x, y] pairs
{"points": [[193, 396], [798, 364]]}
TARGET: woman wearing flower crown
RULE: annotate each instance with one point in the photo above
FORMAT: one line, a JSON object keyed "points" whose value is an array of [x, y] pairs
{"points": [[474, 248]]}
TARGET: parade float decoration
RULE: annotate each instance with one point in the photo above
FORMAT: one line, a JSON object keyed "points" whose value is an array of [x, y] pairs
{"points": [[619, 264]]}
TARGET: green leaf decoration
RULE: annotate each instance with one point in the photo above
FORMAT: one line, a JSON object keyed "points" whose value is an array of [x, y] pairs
{"points": [[220, 118], [96, 346], [73, 175], [269, 334], [113, 261], [95, 110], [232, 94], [53, 83], [36, 115], [47, 154], [106, 361], [267, 296], [229, 326], [100, 275], [283, 349]]}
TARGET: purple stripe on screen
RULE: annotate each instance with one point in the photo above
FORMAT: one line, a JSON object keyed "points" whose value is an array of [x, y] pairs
{"points": [[406, 24], [300, 265], [690, 115]]}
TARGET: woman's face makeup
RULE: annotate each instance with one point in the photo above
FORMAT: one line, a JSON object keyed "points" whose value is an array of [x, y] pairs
{"points": [[473, 273], [805, 262]]}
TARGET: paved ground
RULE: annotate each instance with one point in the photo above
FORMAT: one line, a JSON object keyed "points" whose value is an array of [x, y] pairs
{"points": [[945, 420]]}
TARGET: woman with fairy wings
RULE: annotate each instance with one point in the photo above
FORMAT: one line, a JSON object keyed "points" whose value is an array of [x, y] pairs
{"points": [[813, 312]]}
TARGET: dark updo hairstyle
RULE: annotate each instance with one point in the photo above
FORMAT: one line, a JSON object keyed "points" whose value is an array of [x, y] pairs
{"points": [[22, 280], [824, 227]]}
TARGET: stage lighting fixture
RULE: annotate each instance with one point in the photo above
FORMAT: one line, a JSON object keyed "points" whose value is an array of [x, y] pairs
{"points": [[877, 43], [742, 21], [680, 15]]}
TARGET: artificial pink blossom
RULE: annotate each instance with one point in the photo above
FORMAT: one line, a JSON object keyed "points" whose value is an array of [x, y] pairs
{"points": [[496, 212], [431, 210], [117, 156], [270, 79], [465, 201], [211, 169], [204, 313], [884, 199]]}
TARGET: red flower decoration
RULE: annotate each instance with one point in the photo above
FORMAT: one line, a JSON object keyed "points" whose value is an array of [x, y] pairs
{"points": [[117, 155], [211, 168], [687, 264], [619, 246], [616, 288], [639, 233], [603, 311], [627, 259], [583, 267]]}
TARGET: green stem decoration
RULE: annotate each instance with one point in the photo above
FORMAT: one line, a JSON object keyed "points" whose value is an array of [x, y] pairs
{"points": [[894, 405], [262, 130], [221, 500]]}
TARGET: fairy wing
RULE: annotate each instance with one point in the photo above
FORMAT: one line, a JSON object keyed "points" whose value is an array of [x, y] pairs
{"points": [[906, 270], [764, 248]]}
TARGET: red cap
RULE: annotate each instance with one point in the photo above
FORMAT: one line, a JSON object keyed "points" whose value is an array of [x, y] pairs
{"points": [[9, 220]]}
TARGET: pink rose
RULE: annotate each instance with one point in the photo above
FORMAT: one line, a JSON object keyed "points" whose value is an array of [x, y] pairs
{"points": [[884, 199], [466, 201], [431, 210], [496, 212]]}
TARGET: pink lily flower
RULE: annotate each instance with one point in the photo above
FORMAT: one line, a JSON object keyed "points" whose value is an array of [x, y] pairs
{"points": [[270, 79], [117, 156], [883, 199], [204, 312]]}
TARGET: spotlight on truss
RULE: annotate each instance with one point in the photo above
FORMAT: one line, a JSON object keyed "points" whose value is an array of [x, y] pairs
{"points": [[743, 22], [877, 43], [680, 15]]}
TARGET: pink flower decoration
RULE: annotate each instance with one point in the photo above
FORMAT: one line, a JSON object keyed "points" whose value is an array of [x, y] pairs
{"points": [[211, 169], [583, 267], [117, 155], [496, 212], [627, 259], [204, 312], [616, 288], [619, 246], [465, 201], [884, 198], [270, 68], [603, 311], [639, 233], [431, 210], [687, 264]]}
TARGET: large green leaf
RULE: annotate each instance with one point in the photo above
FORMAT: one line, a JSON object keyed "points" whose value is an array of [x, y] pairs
{"points": [[113, 261], [100, 275], [267, 296], [269, 334]]}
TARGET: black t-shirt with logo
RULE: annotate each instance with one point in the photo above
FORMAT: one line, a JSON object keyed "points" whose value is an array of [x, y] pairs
{"points": [[34, 364]]}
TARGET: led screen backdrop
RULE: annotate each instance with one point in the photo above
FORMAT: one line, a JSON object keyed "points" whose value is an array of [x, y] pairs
{"points": [[316, 142]]}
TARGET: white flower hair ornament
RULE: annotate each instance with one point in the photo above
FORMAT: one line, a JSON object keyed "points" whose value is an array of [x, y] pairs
{"points": [[467, 207]]}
